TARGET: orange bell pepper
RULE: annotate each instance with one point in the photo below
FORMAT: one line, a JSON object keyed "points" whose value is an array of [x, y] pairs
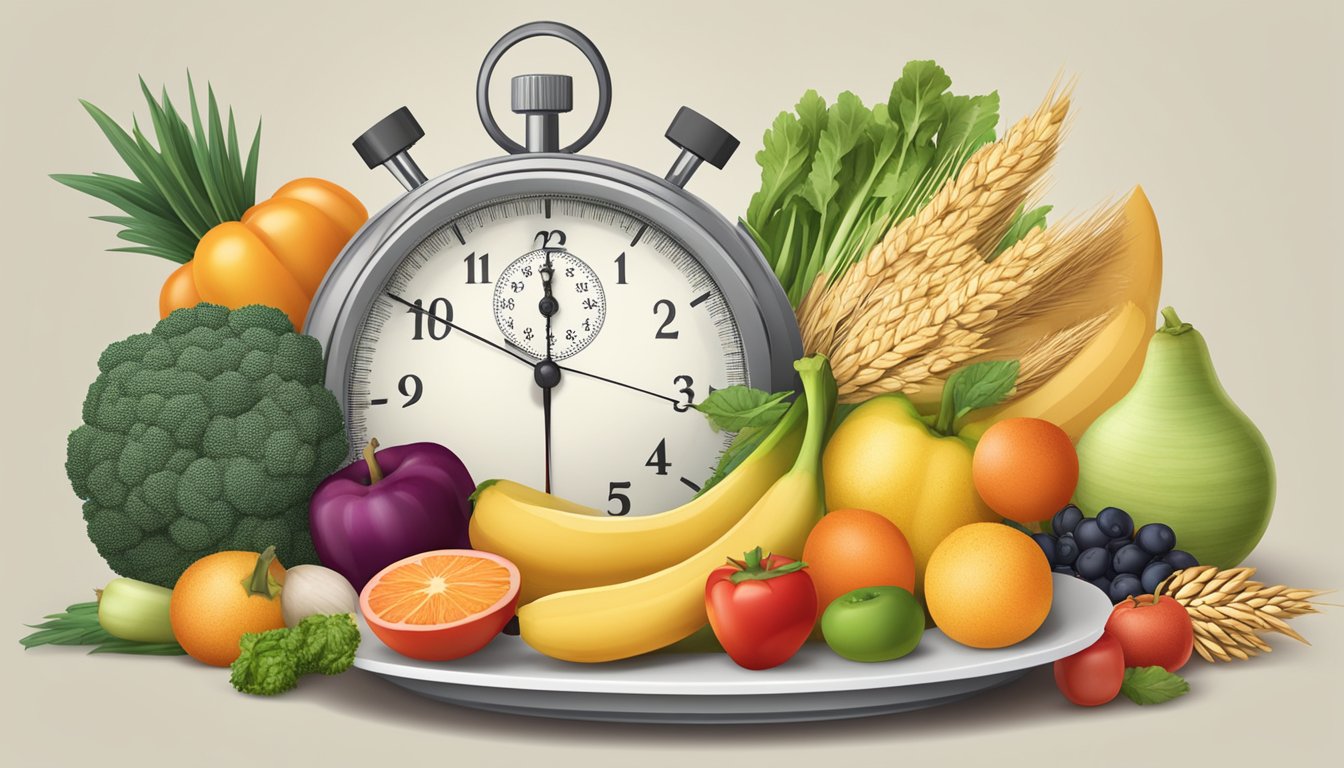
{"points": [[277, 255]]}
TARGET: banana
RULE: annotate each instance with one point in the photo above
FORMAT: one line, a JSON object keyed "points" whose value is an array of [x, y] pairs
{"points": [[558, 547], [134, 610], [618, 621], [1103, 371]]}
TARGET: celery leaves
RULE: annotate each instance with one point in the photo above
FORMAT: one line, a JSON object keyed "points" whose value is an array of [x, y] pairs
{"points": [[835, 178]]}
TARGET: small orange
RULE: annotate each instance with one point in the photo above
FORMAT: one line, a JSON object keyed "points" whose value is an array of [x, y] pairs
{"points": [[853, 548], [219, 598], [988, 585], [441, 605], [1025, 469]]}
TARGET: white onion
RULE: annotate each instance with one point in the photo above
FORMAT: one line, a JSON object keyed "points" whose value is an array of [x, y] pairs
{"points": [[313, 590]]}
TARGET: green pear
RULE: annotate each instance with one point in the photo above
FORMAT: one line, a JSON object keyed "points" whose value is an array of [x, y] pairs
{"points": [[1177, 450]]}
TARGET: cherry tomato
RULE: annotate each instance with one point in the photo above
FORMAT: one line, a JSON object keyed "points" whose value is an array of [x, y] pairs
{"points": [[1092, 676], [1153, 631], [761, 608]]}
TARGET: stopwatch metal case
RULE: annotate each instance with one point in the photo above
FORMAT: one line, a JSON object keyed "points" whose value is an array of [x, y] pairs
{"points": [[769, 332], [764, 317]]}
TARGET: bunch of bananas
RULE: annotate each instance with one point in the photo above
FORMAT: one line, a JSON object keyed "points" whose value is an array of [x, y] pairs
{"points": [[599, 589]]}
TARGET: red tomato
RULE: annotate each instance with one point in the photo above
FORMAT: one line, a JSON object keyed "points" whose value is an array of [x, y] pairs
{"points": [[761, 609], [1154, 632], [1092, 676]]}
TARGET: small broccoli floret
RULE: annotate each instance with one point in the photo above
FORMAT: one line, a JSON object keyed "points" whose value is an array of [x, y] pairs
{"points": [[208, 433]]}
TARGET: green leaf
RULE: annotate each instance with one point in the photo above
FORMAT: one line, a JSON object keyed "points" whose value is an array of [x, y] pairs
{"points": [[1024, 221], [738, 407], [969, 126], [742, 446], [784, 160], [979, 385], [915, 102], [1152, 685]]}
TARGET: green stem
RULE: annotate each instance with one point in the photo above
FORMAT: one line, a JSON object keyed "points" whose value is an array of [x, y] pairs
{"points": [[1172, 325], [947, 415], [750, 568], [375, 471], [259, 583]]}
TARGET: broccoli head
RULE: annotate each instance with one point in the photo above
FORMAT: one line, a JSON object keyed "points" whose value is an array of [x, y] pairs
{"points": [[208, 433]]}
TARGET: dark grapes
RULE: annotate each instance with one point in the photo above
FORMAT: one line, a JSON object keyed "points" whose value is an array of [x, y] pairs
{"points": [[1130, 559], [1092, 563], [1066, 550], [1116, 523], [1089, 534], [1115, 545], [1047, 544], [1179, 558], [1124, 585], [1103, 583], [1155, 538], [1154, 574], [1064, 569], [1066, 520]]}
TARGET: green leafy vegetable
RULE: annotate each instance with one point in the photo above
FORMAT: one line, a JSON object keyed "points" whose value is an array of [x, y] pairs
{"points": [[272, 662], [835, 178], [1023, 222], [979, 385], [78, 625], [738, 407], [1152, 685]]}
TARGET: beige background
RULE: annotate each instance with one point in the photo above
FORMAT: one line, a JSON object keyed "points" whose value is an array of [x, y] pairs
{"points": [[1226, 112]]}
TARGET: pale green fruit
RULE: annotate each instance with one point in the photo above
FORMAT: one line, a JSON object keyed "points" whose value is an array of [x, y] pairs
{"points": [[1177, 450]]}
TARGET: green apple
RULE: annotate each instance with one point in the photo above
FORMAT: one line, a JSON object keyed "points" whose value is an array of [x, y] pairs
{"points": [[873, 624]]}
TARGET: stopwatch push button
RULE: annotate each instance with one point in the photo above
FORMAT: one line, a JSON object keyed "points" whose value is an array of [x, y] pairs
{"points": [[388, 143], [701, 140]]}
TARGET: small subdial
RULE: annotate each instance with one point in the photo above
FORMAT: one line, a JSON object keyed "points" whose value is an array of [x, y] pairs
{"points": [[580, 305]]}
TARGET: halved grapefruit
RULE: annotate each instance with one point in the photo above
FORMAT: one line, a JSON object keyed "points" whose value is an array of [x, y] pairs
{"points": [[441, 605]]}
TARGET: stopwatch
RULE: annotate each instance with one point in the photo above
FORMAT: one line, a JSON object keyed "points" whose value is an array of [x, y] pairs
{"points": [[552, 318]]}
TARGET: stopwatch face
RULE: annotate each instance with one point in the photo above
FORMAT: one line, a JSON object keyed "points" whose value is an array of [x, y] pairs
{"points": [[640, 332]]}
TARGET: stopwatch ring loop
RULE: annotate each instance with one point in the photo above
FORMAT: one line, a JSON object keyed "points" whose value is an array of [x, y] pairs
{"points": [[543, 29]]}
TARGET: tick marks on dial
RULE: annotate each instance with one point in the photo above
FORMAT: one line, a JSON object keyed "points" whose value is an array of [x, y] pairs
{"points": [[701, 299], [690, 484], [458, 232], [547, 207], [378, 401], [638, 235]]}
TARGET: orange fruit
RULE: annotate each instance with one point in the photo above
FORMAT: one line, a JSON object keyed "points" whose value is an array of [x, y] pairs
{"points": [[212, 606], [853, 548], [441, 605], [988, 585], [1025, 469]]}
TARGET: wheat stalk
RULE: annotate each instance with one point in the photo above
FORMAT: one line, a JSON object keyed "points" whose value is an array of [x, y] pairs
{"points": [[1042, 360], [904, 340], [959, 224], [1229, 611]]}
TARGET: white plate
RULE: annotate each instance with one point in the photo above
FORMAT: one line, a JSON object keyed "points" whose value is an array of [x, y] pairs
{"points": [[508, 676]]}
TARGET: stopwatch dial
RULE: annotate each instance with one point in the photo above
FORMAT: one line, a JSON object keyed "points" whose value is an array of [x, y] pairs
{"points": [[642, 334], [578, 307]]}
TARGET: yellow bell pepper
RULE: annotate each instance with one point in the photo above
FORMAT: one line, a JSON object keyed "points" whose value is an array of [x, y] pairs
{"points": [[887, 458]]}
